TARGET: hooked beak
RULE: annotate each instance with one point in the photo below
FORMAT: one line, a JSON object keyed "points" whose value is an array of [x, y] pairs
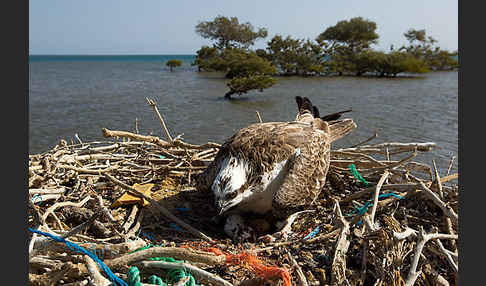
{"points": [[224, 206]]}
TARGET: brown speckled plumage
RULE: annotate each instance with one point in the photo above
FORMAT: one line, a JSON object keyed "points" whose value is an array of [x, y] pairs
{"points": [[304, 143]]}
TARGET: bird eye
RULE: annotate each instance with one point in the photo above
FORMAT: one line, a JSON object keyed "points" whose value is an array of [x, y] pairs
{"points": [[230, 196]]}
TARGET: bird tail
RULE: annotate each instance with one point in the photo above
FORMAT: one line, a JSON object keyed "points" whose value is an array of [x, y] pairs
{"points": [[306, 111]]}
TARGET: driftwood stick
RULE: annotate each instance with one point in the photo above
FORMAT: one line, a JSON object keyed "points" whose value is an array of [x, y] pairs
{"points": [[198, 272], [398, 187], [63, 204], [301, 280], [449, 178], [151, 139], [91, 157], [377, 193], [426, 146], [390, 166], [404, 234], [131, 218], [259, 117], [450, 165], [78, 283], [55, 276], [423, 238], [109, 250], [160, 208], [437, 179], [41, 262], [287, 227], [448, 221], [403, 147], [179, 143], [175, 252], [31, 244], [152, 103], [436, 277], [318, 238], [365, 141], [447, 255], [338, 268], [73, 231], [132, 232], [157, 141], [446, 209], [369, 227], [45, 197], [182, 282], [94, 273], [104, 210], [47, 191], [85, 170], [353, 154]]}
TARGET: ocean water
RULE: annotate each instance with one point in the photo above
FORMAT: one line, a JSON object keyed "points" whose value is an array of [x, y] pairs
{"points": [[71, 95]]}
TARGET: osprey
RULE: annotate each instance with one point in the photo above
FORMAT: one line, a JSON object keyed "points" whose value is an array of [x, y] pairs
{"points": [[273, 168]]}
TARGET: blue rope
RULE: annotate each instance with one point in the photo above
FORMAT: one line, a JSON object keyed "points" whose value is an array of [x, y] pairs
{"points": [[36, 198], [369, 203], [78, 248], [175, 226], [312, 233]]}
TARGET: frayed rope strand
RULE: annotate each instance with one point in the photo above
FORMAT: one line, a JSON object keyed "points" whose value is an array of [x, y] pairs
{"points": [[73, 246], [357, 175], [174, 275]]}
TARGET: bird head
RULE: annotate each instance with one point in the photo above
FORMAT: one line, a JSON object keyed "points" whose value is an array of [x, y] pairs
{"points": [[229, 185]]}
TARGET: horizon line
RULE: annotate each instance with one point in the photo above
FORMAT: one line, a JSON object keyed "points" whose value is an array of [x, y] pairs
{"points": [[110, 54]]}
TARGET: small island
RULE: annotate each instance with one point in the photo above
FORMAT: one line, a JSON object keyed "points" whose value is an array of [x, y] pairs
{"points": [[173, 63], [344, 49]]}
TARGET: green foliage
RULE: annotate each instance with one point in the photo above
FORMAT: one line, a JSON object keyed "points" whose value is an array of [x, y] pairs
{"points": [[413, 35], [395, 62], [347, 43], [419, 44], [344, 48], [295, 56], [283, 53], [246, 68], [204, 55], [237, 62], [229, 33], [240, 63], [362, 62], [243, 84], [356, 34], [422, 47], [247, 71], [442, 60], [173, 63]]}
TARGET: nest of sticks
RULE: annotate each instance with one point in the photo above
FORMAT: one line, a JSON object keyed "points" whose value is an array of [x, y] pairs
{"points": [[383, 221]]}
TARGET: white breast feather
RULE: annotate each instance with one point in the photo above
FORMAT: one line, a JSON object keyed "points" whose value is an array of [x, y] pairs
{"points": [[260, 200], [256, 198]]}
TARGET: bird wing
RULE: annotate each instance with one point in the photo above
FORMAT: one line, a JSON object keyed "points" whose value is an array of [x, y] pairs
{"points": [[263, 145], [305, 178]]}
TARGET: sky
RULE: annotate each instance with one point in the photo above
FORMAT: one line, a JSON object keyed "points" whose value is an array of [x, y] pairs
{"points": [[168, 27]]}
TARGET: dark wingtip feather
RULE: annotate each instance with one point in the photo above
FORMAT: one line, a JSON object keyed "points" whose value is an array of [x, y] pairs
{"points": [[299, 101], [306, 105], [315, 111], [334, 116]]}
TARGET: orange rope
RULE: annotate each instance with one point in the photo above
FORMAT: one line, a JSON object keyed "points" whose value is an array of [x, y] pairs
{"points": [[256, 264]]}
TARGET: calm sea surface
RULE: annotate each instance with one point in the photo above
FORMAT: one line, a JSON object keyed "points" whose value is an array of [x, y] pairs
{"points": [[82, 94]]}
